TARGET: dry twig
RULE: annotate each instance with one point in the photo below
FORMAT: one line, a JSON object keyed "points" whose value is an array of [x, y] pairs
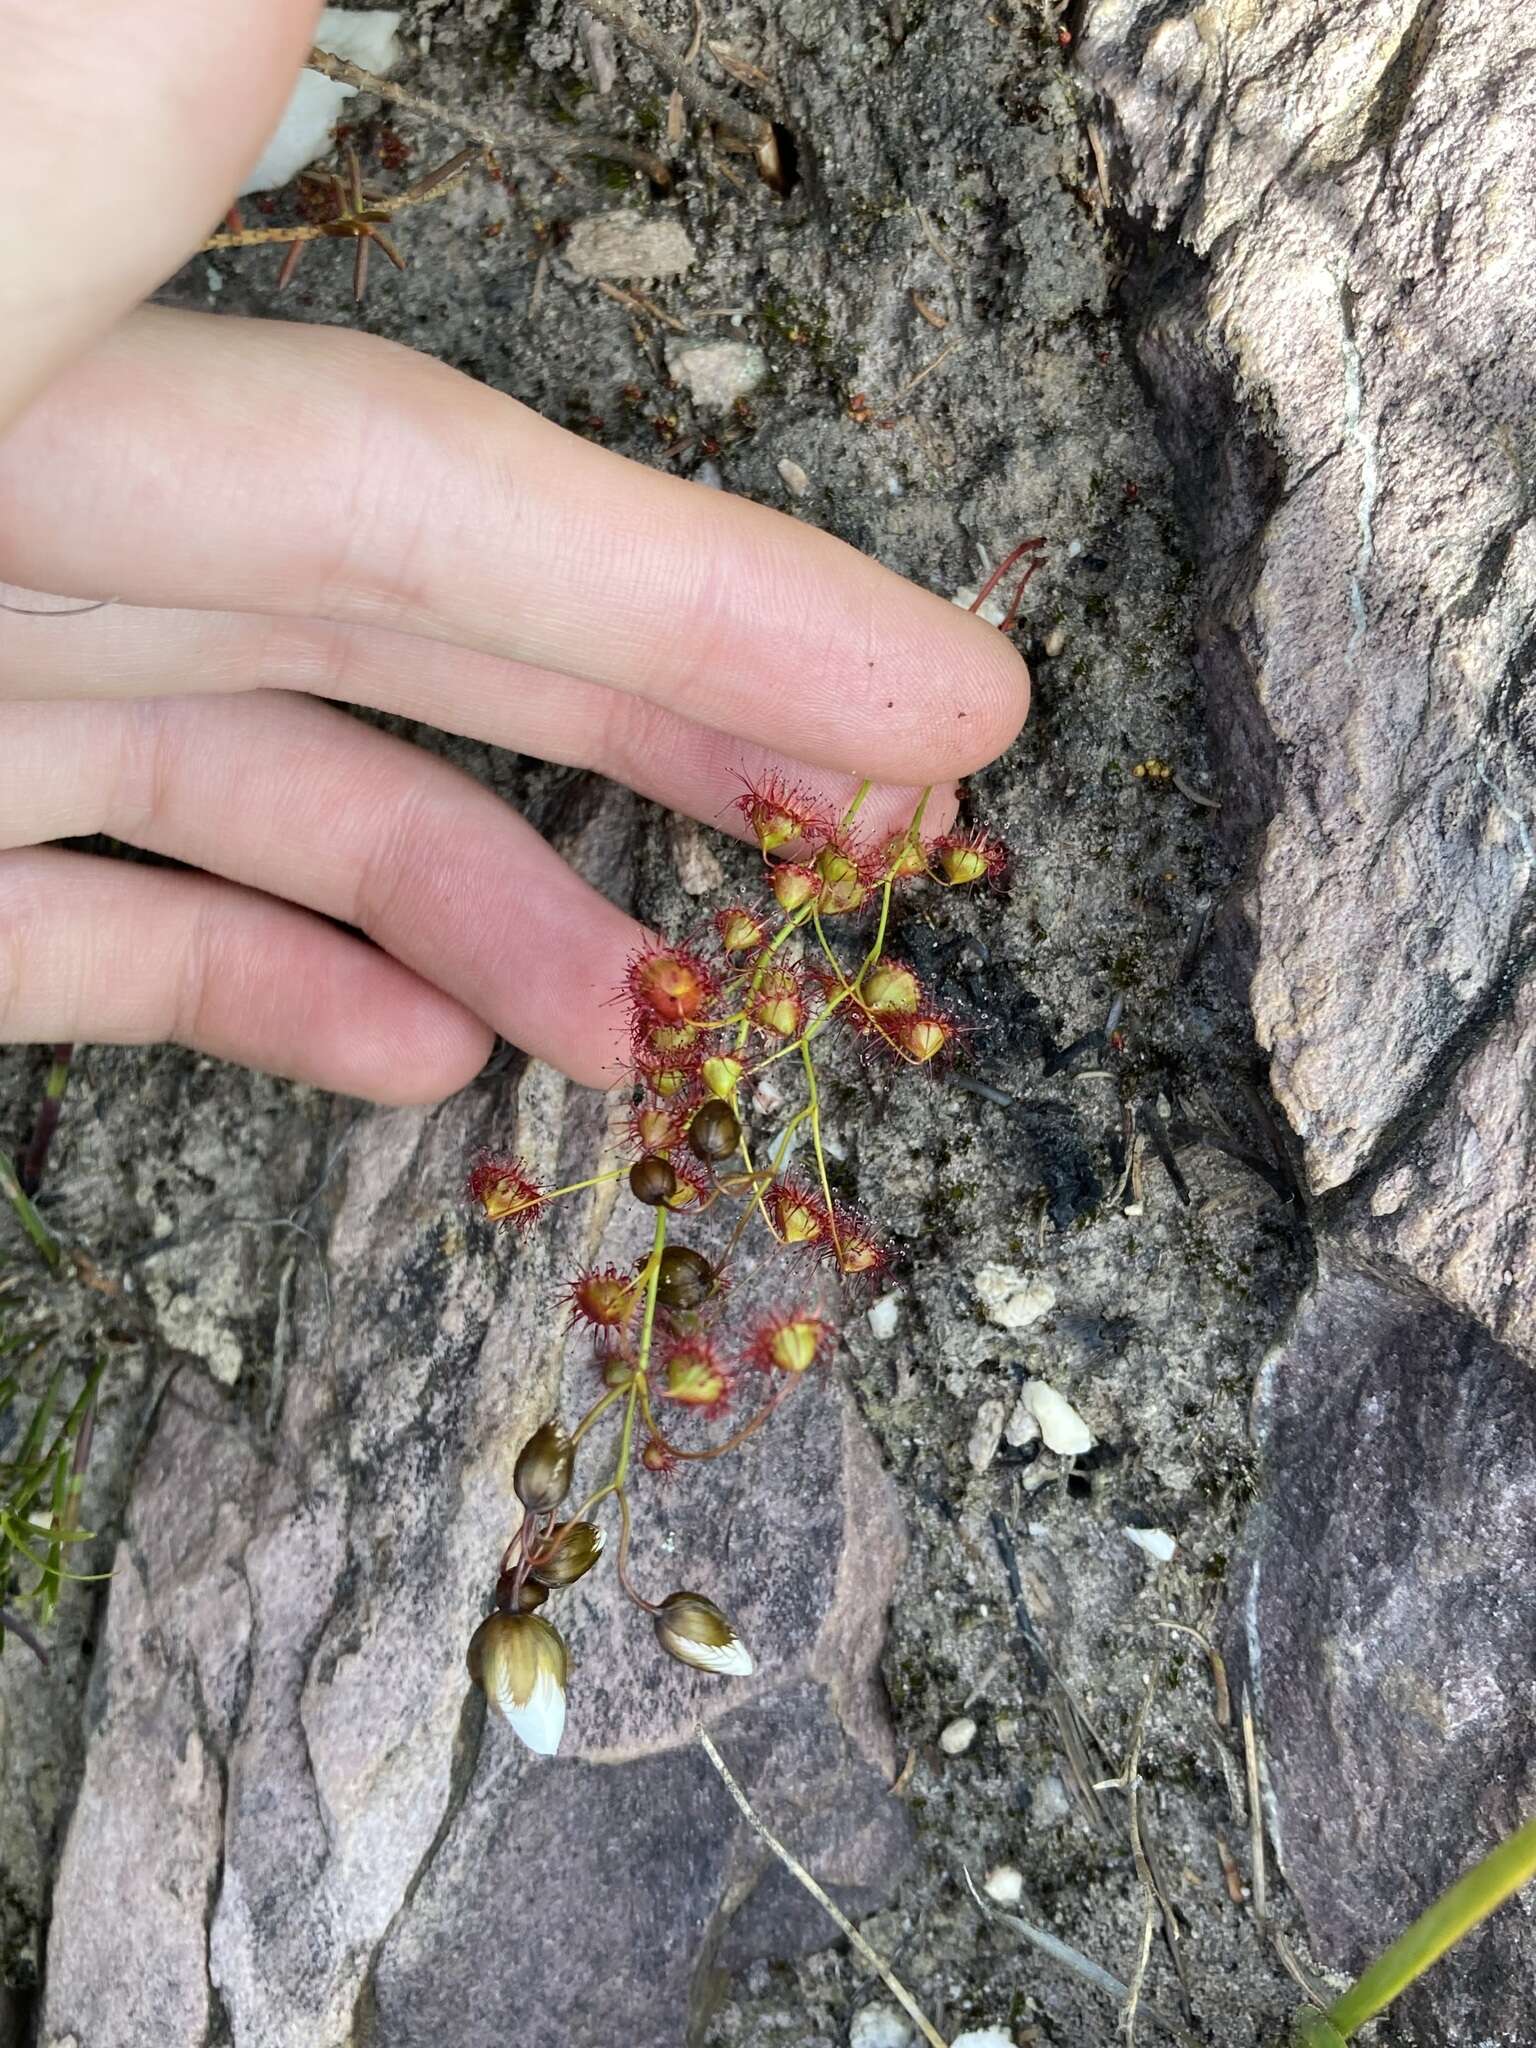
{"points": [[798, 1871], [716, 106], [1255, 1815], [539, 136]]}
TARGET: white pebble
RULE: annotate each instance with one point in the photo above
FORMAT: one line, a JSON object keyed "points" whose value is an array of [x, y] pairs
{"points": [[708, 474], [957, 1738], [1054, 641], [1050, 1802], [983, 2037], [1012, 1300], [308, 126], [1074, 547], [793, 478], [717, 373], [1155, 1542], [1022, 1427], [880, 2026], [884, 1315], [1064, 1430], [1004, 1885], [986, 1434]]}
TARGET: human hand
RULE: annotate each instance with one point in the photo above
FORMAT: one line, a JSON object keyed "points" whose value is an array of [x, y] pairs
{"points": [[286, 513]]}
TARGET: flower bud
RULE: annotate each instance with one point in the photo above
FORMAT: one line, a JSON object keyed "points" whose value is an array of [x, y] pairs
{"points": [[686, 1278], [570, 1554], [519, 1663], [542, 1475], [714, 1132], [513, 1598], [693, 1630], [652, 1180]]}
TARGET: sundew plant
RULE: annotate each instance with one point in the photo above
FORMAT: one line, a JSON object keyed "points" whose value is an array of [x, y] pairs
{"points": [[718, 1024]]}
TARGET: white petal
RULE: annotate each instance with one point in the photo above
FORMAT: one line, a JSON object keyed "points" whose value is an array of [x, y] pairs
{"points": [[540, 1720], [730, 1659]]}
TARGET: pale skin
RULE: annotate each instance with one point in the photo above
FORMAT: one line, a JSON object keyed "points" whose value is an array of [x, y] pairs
{"points": [[287, 514]]}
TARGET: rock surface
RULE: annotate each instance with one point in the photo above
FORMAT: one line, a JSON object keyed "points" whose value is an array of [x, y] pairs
{"points": [[333, 1821], [1328, 304], [1390, 1610], [1346, 186]]}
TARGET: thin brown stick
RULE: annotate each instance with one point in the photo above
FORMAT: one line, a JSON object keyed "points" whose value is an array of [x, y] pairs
{"points": [[798, 1871], [926, 371], [541, 137], [1255, 1815], [1218, 1669], [638, 303], [382, 208], [716, 106]]}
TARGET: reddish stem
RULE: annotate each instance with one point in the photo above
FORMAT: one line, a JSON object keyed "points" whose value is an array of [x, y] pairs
{"points": [[1001, 571], [36, 1155]]}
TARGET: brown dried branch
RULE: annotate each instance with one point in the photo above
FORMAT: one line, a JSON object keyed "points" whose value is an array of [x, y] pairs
{"points": [[541, 137]]}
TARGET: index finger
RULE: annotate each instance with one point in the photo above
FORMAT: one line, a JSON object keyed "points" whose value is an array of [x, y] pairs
{"points": [[220, 464]]}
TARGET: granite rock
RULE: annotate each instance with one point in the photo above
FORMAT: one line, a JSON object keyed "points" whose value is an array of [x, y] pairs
{"points": [[1389, 1607]]}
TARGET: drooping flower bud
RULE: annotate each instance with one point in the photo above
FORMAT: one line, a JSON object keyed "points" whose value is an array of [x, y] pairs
{"points": [[713, 1132], [513, 1598], [519, 1662], [570, 1554], [659, 1457], [686, 1278], [545, 1465], [693, 1630], [653, 1180], [721, 1074]]}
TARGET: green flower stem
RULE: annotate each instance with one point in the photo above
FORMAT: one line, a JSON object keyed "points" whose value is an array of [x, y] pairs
{"points": [[821, 1162], [1455, 1913], [858, 801], [599, 1406]]}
